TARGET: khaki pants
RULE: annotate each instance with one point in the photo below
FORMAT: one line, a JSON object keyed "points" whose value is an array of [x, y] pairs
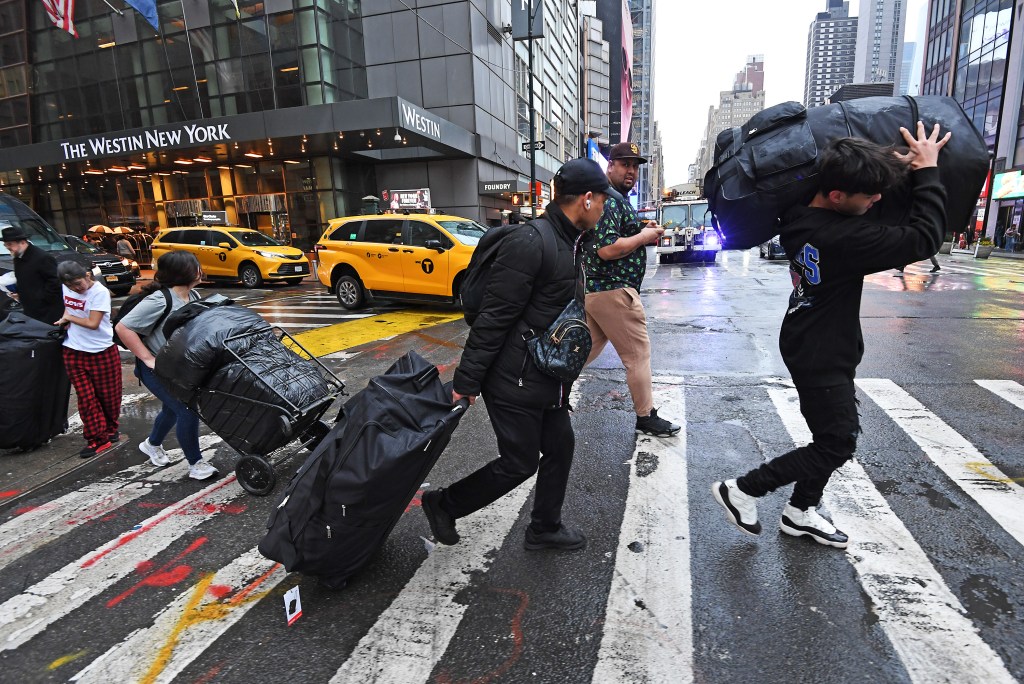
{"points": [[617, 316]]}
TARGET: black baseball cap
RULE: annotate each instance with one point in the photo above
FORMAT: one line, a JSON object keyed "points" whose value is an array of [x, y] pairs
{"points": [[580, 176]]}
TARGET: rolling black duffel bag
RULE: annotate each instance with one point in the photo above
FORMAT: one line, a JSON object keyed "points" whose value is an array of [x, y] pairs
{"points": [[770, 164], [34, 388], [343, 502]]}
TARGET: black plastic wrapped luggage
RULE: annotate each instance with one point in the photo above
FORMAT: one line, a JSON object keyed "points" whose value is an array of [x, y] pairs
{"points": [[345, 499], [252, 401], [35, 388], [770, 163], [8, 305], [195, 350]]}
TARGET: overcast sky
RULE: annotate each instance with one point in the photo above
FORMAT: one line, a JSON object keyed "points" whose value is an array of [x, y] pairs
{"points": [[700, 45]]}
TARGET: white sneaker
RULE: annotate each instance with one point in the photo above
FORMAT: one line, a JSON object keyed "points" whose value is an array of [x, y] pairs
{"points": [[156, 453], [798, 523], [201, 470], [740, 508]]}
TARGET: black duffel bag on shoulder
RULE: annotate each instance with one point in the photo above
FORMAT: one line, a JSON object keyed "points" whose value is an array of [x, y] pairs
{"points": [[770, 164]]}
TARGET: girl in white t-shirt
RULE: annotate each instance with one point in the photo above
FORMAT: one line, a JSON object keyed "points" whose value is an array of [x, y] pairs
{"points": [[91, 357]]}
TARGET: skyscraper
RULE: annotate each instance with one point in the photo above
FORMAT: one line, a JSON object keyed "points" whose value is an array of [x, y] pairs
{"points": [[880, 41], [735, 107], [831, 51], [909, 81]]}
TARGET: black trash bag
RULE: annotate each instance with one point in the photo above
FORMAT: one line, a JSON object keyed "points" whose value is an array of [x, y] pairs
{"points": [[253, 404], [8, 305], [36, 390], [196, 349], [770, 164]]}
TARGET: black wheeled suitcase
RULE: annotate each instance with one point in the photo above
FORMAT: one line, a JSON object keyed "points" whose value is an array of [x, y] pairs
{"points": [[34, 388], [344, 501]]}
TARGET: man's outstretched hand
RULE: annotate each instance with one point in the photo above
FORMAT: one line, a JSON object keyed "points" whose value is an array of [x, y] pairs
{"points": [[924, 150]]}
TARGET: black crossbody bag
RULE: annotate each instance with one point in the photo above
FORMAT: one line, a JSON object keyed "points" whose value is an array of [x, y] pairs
{"points": [[561, 351]]}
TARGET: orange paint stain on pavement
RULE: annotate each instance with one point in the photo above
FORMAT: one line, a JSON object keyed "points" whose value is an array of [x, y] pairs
{"points": [[195, 613]]}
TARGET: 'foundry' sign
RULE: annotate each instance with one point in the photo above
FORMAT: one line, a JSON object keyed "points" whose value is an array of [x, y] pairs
{"points": [[192, 134]]}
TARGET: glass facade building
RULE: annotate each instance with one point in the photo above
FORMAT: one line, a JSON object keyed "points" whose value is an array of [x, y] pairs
{"points": [[283, 115]]}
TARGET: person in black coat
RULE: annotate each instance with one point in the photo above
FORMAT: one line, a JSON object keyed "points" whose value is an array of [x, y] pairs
{"points": [[36, 271], [528, 409], [832, 247]]}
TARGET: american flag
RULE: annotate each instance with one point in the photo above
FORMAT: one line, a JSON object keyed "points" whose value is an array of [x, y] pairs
{"points": [[61, 13]]}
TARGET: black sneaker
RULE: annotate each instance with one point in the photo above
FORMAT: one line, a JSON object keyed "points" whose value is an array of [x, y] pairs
{"points": [[935, 269], [442, 524], [90, 451], [563, 538], [655, 426], [114, 437]]}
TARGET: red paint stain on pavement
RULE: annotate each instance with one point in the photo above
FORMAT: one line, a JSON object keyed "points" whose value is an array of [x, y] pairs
{"points": [[143, 530], [28, 509], [517, 644], [234, 509], [417, 500], [166, 575], [9, 493], [219, 591], [211, 674], [153, 504]]}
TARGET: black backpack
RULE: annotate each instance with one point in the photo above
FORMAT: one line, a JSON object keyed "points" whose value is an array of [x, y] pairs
{"points": [[478, 273], [130, 304]]}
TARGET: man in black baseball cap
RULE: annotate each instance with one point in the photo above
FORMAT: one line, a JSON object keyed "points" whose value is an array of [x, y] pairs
{"points": [[616, 261], [528, 408]]}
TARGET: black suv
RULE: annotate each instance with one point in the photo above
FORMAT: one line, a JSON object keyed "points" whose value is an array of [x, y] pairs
{"points": [[115, 271], [15, 213]]}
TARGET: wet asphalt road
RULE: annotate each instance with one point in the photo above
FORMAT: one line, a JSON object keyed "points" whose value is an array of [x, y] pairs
{"points": [[702, 602]]}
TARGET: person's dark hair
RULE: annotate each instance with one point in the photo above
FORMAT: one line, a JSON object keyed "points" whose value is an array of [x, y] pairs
{"points": [[565, 200], [70, 271], [174, 268], [853, 165]]}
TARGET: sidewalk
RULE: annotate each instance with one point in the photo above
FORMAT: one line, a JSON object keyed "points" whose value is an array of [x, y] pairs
{"points": [[995, 253]]}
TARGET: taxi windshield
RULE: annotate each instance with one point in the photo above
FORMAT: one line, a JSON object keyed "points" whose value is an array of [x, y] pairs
{"points": [[251, 238], [467, 232]]}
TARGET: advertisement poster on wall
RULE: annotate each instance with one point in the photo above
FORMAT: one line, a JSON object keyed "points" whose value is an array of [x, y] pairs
{"points": [[407, 200], [618, 32]]}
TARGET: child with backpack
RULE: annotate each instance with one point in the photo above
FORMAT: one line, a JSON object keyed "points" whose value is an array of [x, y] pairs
{"points": [[91, 358], [140, 330]]}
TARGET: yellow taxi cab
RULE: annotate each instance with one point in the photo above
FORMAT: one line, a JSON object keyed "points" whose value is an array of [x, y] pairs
{"points": [[236, 254], [419, 257]]}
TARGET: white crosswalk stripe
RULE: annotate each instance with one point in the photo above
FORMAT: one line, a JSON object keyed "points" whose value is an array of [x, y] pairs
{"points": [[1009, 390], [43, 524], [182, 631], [1000, 496], [25, 616], [647, 631], [411, 636], [923, 620]]}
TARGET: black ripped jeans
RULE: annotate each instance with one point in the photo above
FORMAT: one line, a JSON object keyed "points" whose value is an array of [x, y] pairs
{"points": [[831, 415]]}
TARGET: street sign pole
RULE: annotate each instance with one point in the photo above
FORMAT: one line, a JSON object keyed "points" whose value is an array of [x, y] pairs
{"points": [[533, 125]]}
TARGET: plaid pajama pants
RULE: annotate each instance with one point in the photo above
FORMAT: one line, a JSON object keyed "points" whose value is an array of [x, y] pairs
{"points": [[97, 381]]}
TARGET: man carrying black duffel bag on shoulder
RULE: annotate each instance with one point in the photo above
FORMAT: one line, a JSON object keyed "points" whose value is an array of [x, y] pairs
{"points": [[832, 247], [528, 408]]}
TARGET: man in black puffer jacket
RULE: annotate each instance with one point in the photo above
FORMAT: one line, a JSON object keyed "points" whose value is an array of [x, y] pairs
{"points": [[528, 409]]}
